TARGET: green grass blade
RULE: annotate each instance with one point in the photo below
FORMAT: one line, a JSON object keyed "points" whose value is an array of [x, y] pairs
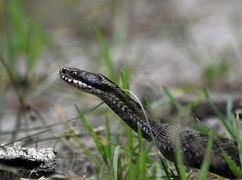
{"points": [[234, 168], [85, 149], [115, 162], [95, 137], [108, 136], [225, 123], [181, 170], [142, 160], [170, 96], [105, 54], [238, 136], [124, 79], [166, 168], [206, 162], [125, 85]]}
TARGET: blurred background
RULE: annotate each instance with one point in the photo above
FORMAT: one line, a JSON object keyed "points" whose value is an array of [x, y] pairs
{"points": [[183, 45]]}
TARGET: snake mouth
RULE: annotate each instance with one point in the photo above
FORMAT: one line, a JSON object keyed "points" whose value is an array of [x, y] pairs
{"points": [[71, 76], [76, 83]]}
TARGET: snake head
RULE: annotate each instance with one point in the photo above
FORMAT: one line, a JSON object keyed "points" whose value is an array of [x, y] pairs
{"points": [[86, 81]]}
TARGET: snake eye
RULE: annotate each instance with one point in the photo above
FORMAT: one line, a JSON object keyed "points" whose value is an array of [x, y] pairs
{"points": [[73, 74]]}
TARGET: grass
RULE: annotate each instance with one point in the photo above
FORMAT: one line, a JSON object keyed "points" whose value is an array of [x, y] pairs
{"points": [[132, 160], [212, 73], [21, 40]]}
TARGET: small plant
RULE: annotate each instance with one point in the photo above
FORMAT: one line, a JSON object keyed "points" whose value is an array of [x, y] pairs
{"points": [[213, 73], [21, 42]]}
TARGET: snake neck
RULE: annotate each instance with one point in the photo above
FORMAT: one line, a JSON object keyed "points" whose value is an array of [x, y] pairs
{"points": [[132, 114], [124, 106]]}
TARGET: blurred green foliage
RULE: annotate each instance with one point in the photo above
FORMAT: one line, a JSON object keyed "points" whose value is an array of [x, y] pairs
{"points": [[22, 36], [213, 73]]}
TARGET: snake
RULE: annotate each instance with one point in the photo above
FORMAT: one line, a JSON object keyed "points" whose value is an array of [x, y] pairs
{"points": [[167, 137]]}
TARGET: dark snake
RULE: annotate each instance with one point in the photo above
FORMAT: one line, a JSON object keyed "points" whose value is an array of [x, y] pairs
{"points": [[193, 145]]}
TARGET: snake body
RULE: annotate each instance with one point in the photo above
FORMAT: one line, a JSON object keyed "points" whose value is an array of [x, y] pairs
{"points": [[166, 136]]}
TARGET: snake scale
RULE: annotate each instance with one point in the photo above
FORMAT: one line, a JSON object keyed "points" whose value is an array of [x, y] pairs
{"points": [[165, 135]]}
